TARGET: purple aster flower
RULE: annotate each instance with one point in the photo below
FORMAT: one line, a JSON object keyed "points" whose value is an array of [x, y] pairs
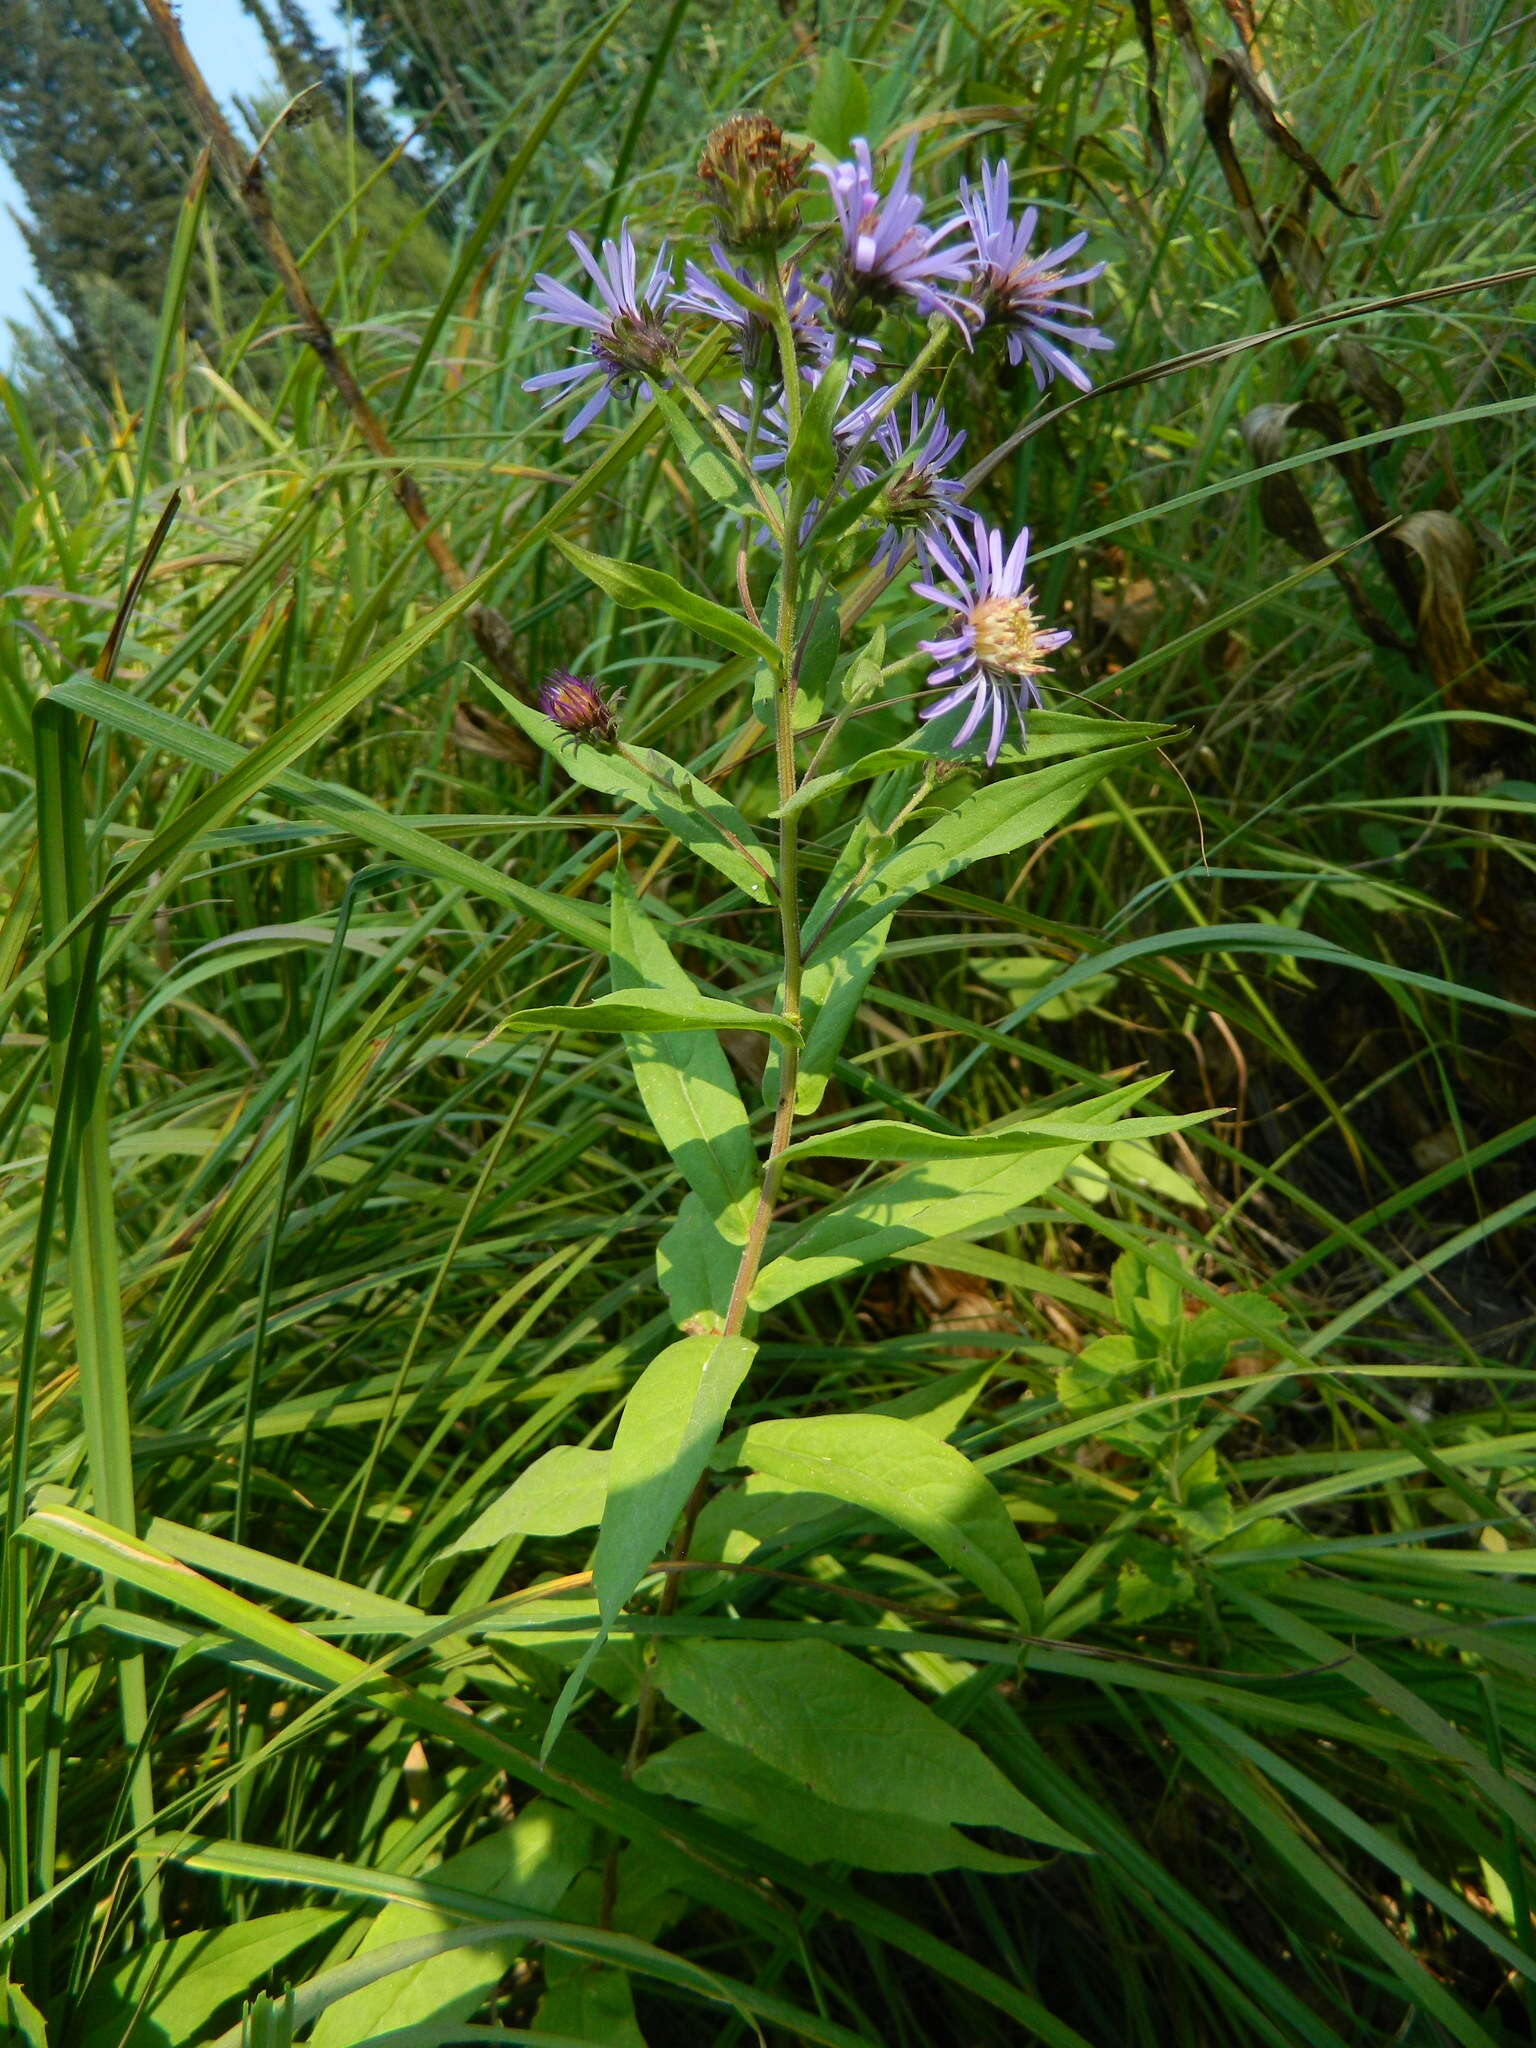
{"points": [[740, 305], [580, 707], [997, 646], [886, 250], [629, 346], [772, 436], [1024, 293], [921, 498]]}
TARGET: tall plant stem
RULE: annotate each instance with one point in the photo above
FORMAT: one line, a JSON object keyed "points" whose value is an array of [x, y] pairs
{"points": [[789, 1061]]}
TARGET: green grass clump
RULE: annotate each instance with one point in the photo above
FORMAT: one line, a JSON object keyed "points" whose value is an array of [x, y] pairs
{"points": [[306, 1259]]}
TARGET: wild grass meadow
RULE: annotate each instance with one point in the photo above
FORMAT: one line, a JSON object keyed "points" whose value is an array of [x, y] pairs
{"points": [[768, 1270]]}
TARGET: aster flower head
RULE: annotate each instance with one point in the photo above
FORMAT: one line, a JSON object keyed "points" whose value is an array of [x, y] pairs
{"points": [[1024, 294], [731, 296], [996, 646], [629, 346], [887, 253], [580, 707], [921, 497]]}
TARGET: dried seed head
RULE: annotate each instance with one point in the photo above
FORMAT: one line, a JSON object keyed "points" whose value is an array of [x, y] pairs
{"points": [[753, 178]]}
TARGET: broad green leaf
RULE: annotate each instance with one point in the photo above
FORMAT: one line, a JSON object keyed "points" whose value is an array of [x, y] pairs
{"points": [[562, 1491], [916, 1480], [706, 822], [684, 1078], [651, 590], [887, 1140], [707, 463], [165, 1995], [526, 1867], [28, 2027], [652, 1009], [697, 1266], [670, 1424], [844, 1731], [741, 1519], [839, 108], [934, 1198], [731, 1782], [1150, 1582], [813, 455]]}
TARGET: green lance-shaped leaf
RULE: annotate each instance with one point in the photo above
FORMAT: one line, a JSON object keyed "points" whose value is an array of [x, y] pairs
{"points": [[837, 973], [813, 456], [912, 1478], [706, 822], [344, 809], [652, 1009], [527, 1867], [651, 590], [1053, 735], [684, 1078], [846, 1732], [728, 1782], [708, 464], [697, 1268], [931, 1198], [671, 1422], [997, 819], [170, 1990], [888, 1140], [563, 1490]]}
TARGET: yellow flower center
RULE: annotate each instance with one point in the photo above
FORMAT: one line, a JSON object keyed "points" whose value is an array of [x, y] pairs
{"points": [[1007, 636]]}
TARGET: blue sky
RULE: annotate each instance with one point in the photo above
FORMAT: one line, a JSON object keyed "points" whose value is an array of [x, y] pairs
{"points": [[228, 45]]}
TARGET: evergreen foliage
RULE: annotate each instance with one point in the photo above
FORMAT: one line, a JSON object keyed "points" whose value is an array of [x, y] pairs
{"points": [[97, 135]]}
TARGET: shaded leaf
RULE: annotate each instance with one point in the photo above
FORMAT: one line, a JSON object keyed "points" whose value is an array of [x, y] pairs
{"points": [[846, 1732], [697, 1267], [729, 1781], [176, 1987], [529, 1866]]}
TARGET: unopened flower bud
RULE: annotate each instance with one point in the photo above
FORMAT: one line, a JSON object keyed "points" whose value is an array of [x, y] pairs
{"points": [[753, 178], [579, 707]]}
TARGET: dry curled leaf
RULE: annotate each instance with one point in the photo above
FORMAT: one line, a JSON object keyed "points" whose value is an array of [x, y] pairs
{"points": [[1448, 555], [1231, 68]]}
